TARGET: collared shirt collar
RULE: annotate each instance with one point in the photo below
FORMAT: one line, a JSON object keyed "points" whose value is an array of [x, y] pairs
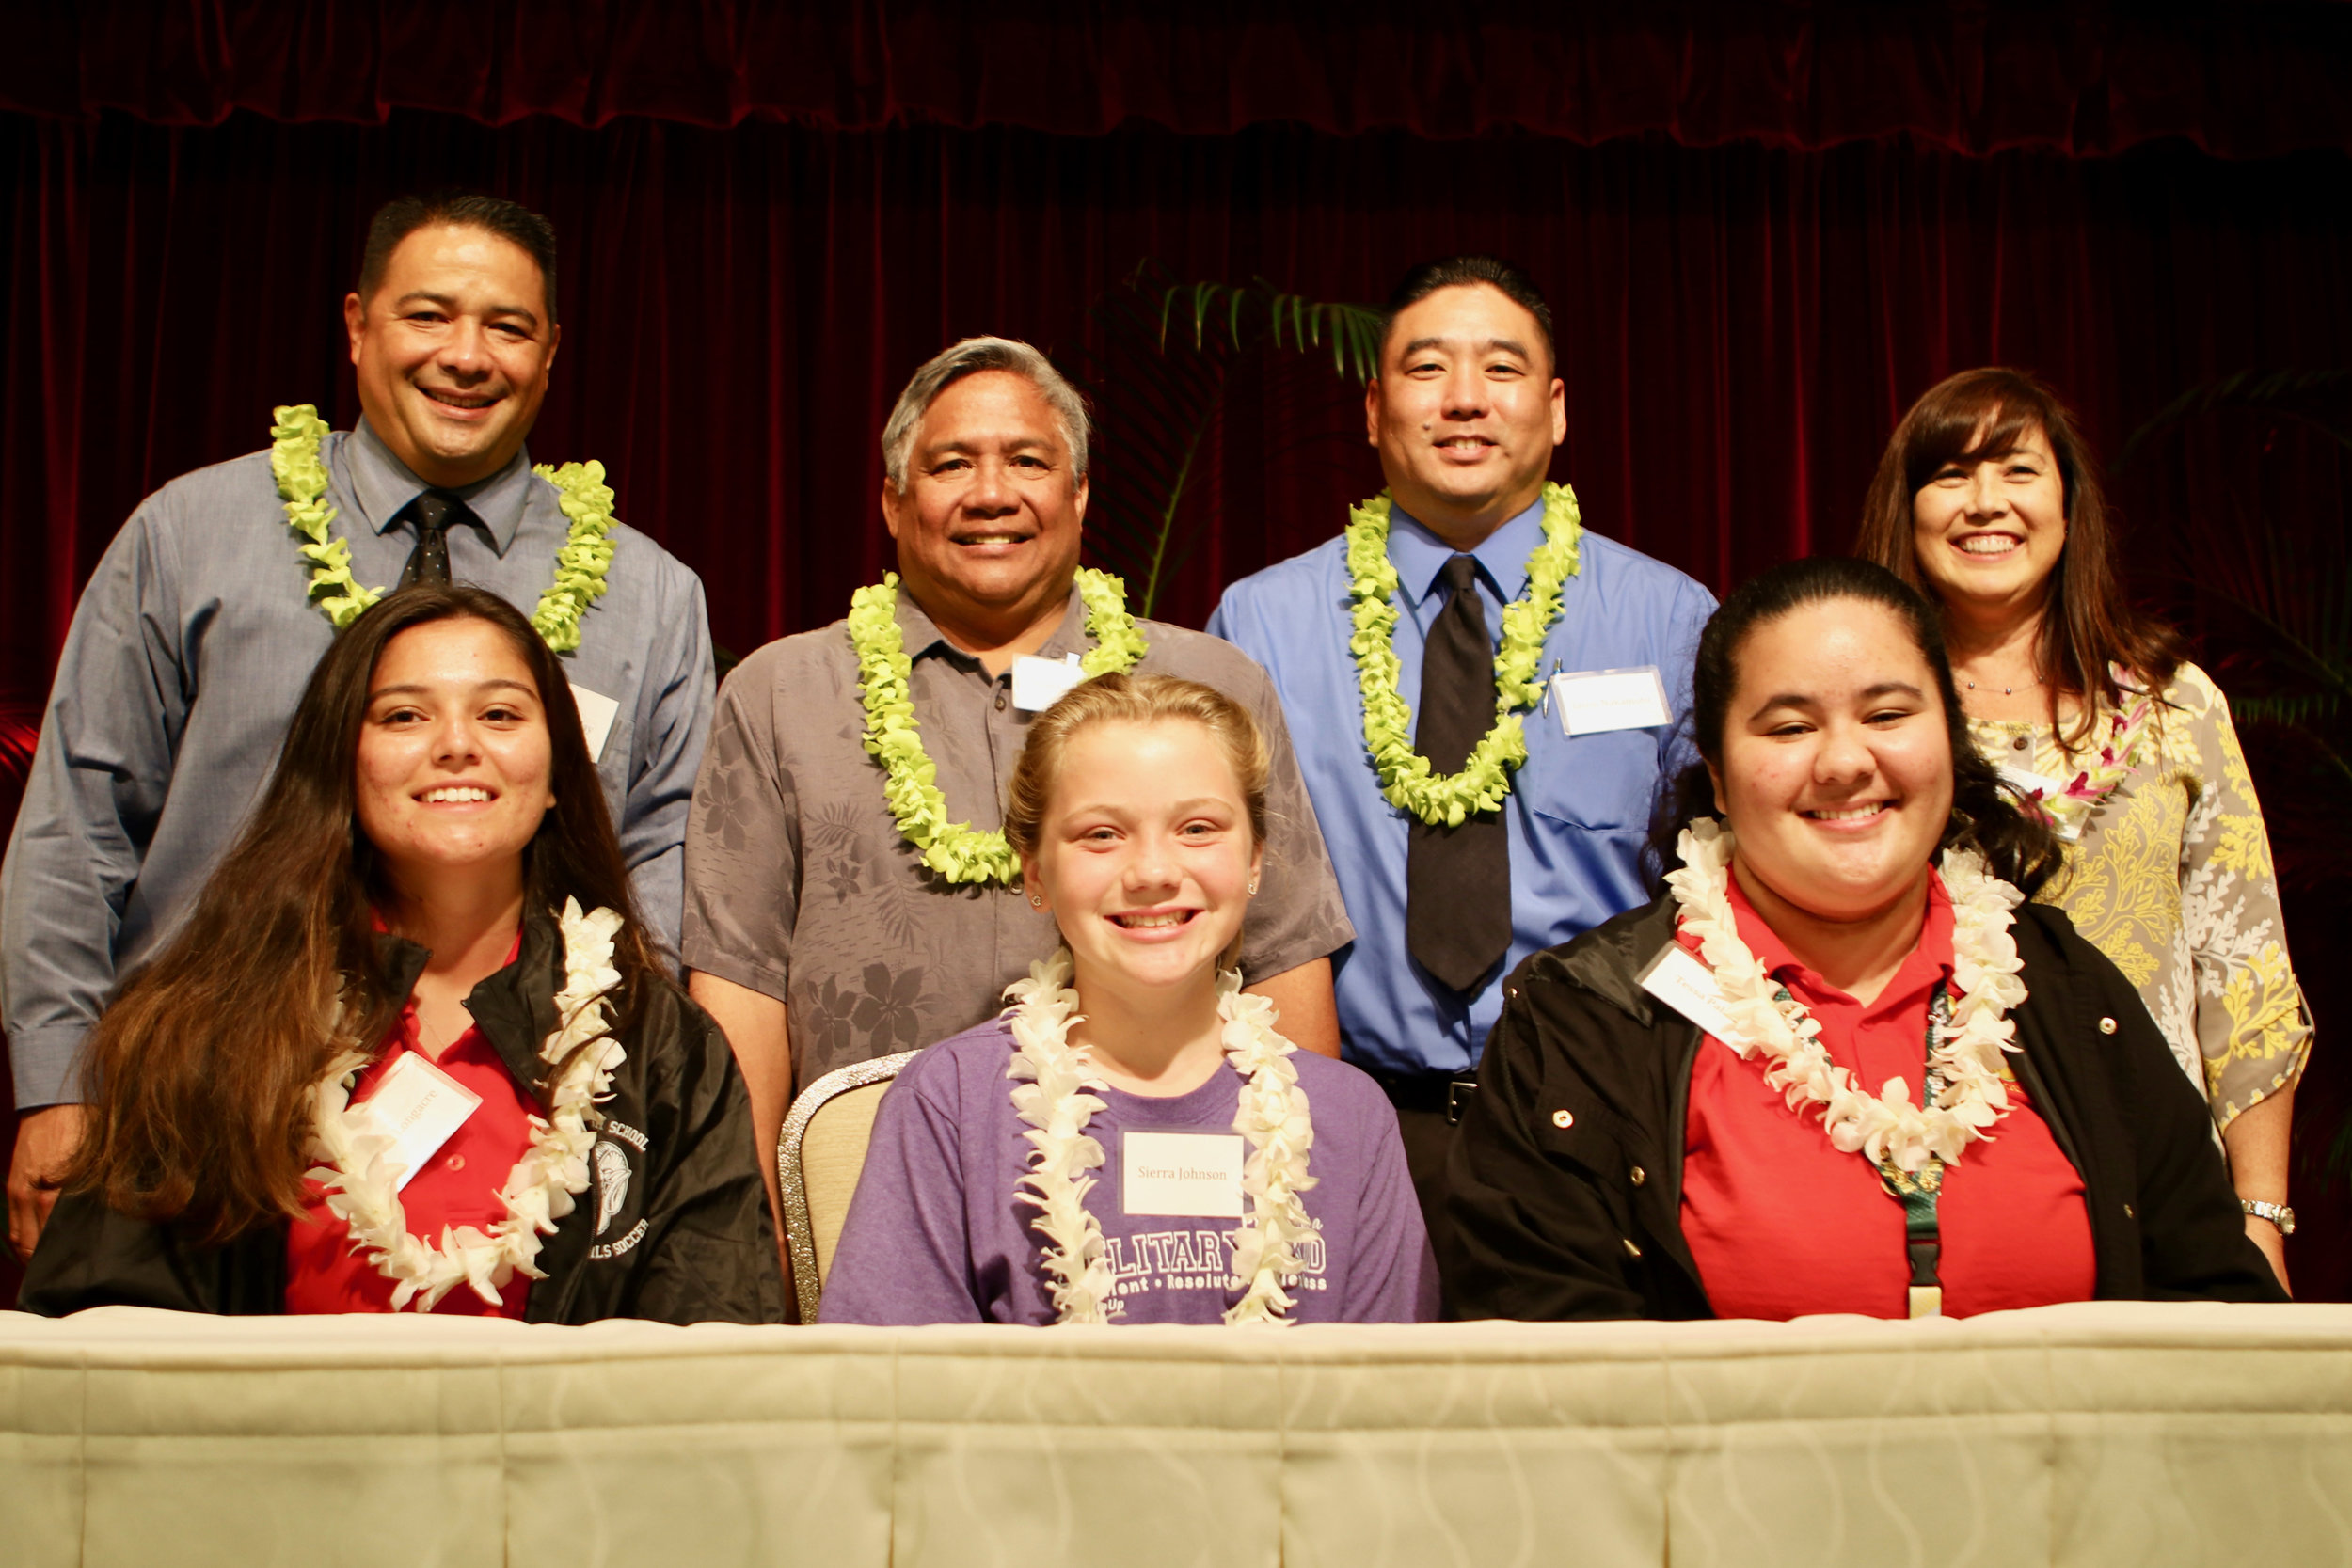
{"points": [[921, 635], [1419, 554], [382, 484], [1929, 962]]}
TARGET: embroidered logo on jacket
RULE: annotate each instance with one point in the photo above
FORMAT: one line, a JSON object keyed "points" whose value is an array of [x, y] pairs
{"points": [[611, 1164]]}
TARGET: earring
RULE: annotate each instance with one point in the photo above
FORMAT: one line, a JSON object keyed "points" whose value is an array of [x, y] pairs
{"points": [[1253, 889], [1037, 900]]}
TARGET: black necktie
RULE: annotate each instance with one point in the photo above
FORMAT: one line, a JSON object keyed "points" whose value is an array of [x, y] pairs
{"points": [[1457, 880], [434, 512]]}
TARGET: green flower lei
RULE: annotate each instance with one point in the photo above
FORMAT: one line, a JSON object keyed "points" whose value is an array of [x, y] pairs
{"points": [[910, 781], [580, 566], [1484, 779]]}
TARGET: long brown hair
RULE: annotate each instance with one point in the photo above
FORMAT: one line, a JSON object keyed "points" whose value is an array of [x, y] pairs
{"points": [[2088, 623], [200, 1073]]}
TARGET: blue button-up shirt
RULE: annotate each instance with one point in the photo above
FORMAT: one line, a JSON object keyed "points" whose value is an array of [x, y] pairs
{"points": [[1579, 810], [188, 653]]}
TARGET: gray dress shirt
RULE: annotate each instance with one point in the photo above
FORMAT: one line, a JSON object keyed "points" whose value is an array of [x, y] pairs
{"points": [[800, 886], [188, 653]]}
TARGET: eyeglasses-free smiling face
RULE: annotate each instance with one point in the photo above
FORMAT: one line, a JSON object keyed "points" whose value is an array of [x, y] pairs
{"points": [[453, 351], [455, 767], [1145, 856], [1989, 533], [990, 521], [1836, 771]]}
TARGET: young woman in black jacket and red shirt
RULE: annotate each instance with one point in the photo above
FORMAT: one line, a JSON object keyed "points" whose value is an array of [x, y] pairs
{"points": [[428, 908], [1840, 1066]]}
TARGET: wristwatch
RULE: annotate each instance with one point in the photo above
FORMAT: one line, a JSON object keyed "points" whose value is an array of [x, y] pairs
{"points": [[2276, 1213]]}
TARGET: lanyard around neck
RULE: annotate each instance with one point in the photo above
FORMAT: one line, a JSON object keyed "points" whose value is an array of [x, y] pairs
{"points": [[1918, 1190]]}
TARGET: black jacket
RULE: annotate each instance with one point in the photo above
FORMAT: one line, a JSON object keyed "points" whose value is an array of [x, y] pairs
{"points": [[1585, 1221], [685, 1235]]}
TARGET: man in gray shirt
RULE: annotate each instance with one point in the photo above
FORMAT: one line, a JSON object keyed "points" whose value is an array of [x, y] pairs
{"points": [[817, 933], [194, 637]]}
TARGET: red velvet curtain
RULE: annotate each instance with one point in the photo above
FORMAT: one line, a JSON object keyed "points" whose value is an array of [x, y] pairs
{"points": [[1739, 327]]}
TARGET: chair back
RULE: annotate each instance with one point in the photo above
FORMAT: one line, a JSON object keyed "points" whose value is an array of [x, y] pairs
{"points": [[817, 1159]]}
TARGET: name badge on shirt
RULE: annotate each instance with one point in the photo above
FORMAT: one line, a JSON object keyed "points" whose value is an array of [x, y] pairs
{"points": [[1595, 701], [2040, 787], [1677, 977], [1038, 684], [596, 719], [1196, 1175], [418, 1106]]}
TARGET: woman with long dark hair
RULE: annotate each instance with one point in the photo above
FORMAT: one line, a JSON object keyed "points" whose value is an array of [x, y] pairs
{"points": [[1989, 501], [412, 1050], [1840, 1065]]}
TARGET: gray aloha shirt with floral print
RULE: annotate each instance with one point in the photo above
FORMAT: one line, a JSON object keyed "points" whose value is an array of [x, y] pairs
{"points": [[800, 886]]}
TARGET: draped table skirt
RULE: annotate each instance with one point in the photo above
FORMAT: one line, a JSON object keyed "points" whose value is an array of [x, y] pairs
{"points": [[2121, 1432]]}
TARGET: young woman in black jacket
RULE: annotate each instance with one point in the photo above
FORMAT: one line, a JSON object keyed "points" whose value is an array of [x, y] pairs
{"points": [[1840, 1066], [412, 1051]]}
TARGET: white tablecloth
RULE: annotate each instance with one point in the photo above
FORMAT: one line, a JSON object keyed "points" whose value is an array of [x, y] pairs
{"points": [[2123, 1434]]}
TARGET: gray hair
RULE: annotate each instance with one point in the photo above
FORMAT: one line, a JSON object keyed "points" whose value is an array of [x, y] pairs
{"points": [[969, 358]]}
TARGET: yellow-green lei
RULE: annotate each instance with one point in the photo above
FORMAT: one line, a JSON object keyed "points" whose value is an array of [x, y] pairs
{"points": [[910, 781], [580, 566], [1484, 779]]}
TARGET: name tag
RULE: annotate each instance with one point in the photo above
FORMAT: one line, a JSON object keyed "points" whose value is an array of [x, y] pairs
{"points": [[1196, 1175], [596, 719], [1038, 684], [2040, 787], [1595, 701], [418, 1106], [1677, 977]]}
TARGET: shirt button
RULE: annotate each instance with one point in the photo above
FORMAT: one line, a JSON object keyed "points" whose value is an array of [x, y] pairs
{"points": [[2019, 744], [1631, 1250], [2128, 1213], [1638, 1175], [1001, 700], [455, 1162], [2106, 1026], [1562, 1119]]}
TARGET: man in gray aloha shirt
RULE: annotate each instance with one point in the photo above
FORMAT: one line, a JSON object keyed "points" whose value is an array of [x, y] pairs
{"points": [[813, 931]]}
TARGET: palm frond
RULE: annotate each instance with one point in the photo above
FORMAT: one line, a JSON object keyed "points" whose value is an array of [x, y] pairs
{"points": [[2312, 398]]}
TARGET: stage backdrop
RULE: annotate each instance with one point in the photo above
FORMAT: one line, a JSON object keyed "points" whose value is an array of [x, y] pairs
{"points": [[1764, 230]]}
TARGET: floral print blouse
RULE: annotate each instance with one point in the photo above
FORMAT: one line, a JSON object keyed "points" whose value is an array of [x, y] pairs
{"points": [[2171, 876]]}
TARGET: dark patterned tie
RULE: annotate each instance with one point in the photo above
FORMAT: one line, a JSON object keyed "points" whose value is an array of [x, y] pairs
{"points": [[1457, 880], [434, 512]]}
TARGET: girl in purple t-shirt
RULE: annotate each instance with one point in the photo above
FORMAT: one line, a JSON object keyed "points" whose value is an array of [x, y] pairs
{"points": [[1130, 1141]]}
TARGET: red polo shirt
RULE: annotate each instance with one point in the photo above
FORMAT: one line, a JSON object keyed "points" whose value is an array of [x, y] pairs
{"points": [[1781, 1224], [458, 1186]]}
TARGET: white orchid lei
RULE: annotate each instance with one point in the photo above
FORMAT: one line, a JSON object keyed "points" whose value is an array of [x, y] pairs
{"points": [[1485, 779], [910, 779], [1052, 1096], [362, 1185], [581, 565], [1887, 1129], [2128, 728]]}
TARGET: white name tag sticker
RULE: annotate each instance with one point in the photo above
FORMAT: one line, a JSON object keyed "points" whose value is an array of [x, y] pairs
{"points": [[1038, 684], [1677, 978], [1195, 1175], [2041, 787], [418, 1106], [597, 711], [1593, 702]]}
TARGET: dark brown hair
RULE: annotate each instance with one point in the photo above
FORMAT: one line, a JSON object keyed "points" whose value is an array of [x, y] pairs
{"points": [[2088, 622], [1460, 272], [1985, 816], [404, 215], [200, 1073]]}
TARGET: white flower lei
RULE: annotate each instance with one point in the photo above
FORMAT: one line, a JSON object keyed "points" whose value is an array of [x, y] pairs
{"points": [[1484, 777], [1051, 1097], [1886, 1127], [362, 1185], [580, 566]]}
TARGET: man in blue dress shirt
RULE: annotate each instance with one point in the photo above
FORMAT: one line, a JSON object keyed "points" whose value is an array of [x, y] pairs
{"points": [[1465, 411], [197, 633]]}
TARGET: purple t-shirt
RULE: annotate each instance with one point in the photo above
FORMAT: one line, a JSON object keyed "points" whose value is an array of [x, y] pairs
{"points": [[936, 1236]]}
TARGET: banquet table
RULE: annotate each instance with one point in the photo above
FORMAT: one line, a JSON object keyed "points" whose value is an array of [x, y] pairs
{"points": [[2132, 1433]]}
